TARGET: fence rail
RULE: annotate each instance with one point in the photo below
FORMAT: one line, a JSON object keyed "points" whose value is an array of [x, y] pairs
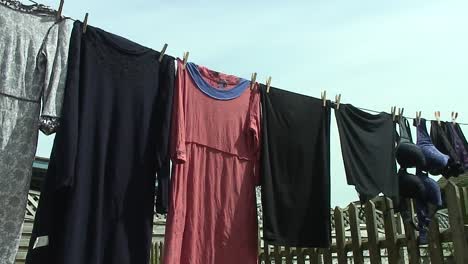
{"points": [[394, 242]]}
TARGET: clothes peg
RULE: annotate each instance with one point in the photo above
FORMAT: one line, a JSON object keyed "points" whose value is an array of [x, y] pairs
{"points": [[454, 117], [418, 118], [59, 12], [337, 101], [162, 52], [399, 115], [185, 59], [268, 82], [437, 116], [324, 98], [252, 80], [85, 23], [393, 110], [400, 112]]}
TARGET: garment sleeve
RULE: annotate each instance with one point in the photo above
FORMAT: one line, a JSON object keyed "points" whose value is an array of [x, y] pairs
{"points": [[51, 66], [255, 129], [164, 110], [66, 140], [178, 149]]}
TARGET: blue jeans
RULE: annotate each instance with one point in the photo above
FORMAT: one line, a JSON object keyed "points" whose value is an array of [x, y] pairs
{"points": [[434, 198]]}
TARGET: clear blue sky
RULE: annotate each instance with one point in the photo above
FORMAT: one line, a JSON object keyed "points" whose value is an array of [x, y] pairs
{"points": [[412, 54]]}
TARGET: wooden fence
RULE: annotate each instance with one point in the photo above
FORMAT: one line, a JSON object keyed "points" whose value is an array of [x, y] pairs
{"points": [[397, 244], [382, 238]]}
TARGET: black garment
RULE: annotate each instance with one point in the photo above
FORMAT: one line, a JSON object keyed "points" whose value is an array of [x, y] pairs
{"points": [[368, 148], [405, 131], [461, 135], [97, 202], [408, 154], [459, 143], [162, 192], [411, 186], [295, 169], [442, 142]]}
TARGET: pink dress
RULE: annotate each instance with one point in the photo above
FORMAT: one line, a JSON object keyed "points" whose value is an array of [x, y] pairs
{"points": [[215, 134]]}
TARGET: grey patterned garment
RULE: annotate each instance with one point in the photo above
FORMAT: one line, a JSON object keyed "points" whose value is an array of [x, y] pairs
{"points": [[33, 58]]}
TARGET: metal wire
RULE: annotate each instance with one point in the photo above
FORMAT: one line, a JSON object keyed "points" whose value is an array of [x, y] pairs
{"points": [[407, 117]]}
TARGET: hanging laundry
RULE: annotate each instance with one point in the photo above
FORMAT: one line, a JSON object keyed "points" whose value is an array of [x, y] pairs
{"points": [[426, 208], [295, 169], [33, 66], [459, 143], [411, 187], [368, 148], [442, 141], [162, 191], [436, 161], [408, 154], [216, 139], [97, 202]]}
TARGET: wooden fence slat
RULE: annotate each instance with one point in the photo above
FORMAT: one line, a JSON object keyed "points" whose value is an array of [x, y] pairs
{"points": [[152, 254], [355, 234], [277, 254], [411, 237], [456, 221], [340, 236], [267, 253], [391, 233], [307, 254], [464, 202], [161, 252], [372, 233], [300, 256], [401, 237], [314, 256], [435, 247], [327, 256], [288, 255]]}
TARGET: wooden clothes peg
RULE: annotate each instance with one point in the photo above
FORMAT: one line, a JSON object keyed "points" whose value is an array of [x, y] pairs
{"points": [[437, 116], [454, 117], [393, 111], [323, 95], [85, 23], [337, 101], [418, 118], [162, 52], [59, 11], [400, 112], [252, 80], [268, 83], [185, 59]]}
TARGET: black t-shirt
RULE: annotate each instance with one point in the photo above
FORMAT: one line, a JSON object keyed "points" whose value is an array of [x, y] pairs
{"points": [[97, 202], [295, 169], [368, 148]]}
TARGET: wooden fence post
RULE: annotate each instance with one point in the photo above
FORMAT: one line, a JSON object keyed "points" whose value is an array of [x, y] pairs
{"points": [[464, 201], [355, 234], [340, 236], [391, 233], [435, 247], [372, 233], [411, 237], [457, 225]]}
